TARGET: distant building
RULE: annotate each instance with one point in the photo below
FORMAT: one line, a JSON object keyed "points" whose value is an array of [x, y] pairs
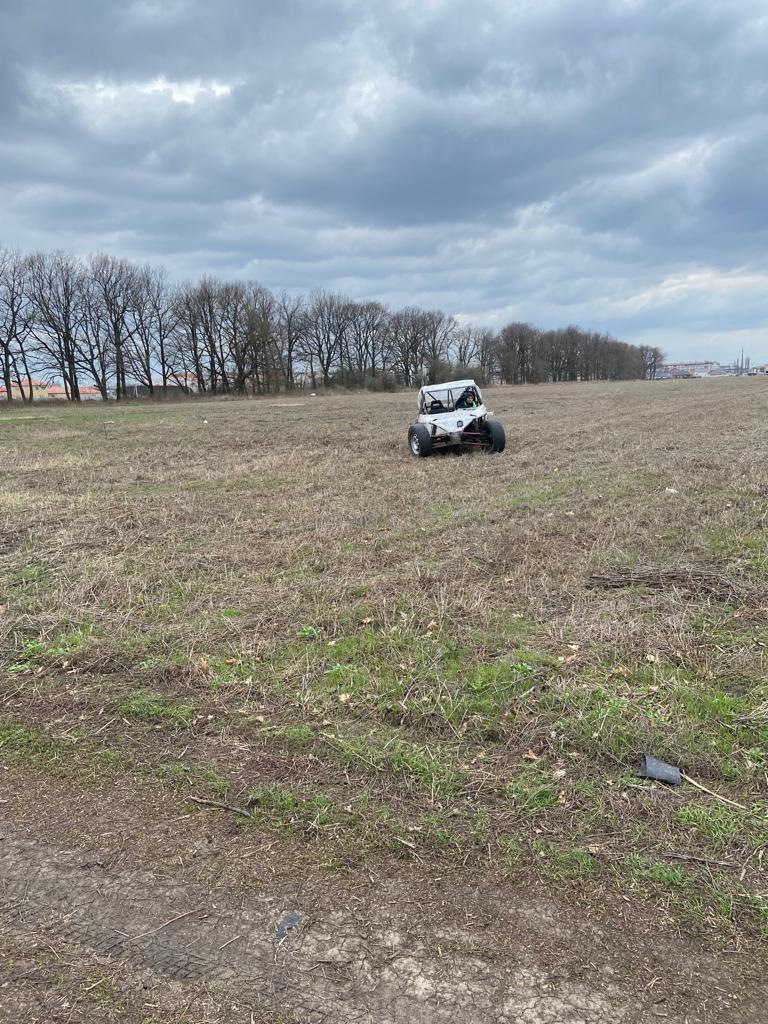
{"points": [[87, 394], [144, 391], [187, 381], [691, 369], [37, 388], [177, 384]]}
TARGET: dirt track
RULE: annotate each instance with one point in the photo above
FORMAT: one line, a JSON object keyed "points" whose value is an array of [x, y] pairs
{"points": [[374, 955]]}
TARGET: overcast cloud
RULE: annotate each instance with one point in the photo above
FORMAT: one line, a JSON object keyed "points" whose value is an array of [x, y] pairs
{"points": [[557, 161]]}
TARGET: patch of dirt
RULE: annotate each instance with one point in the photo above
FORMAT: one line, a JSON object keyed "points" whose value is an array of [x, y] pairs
{"points": [[156, 920]]}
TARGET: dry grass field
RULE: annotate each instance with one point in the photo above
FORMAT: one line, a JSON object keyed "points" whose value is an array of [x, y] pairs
{"points": [[409, 697]]}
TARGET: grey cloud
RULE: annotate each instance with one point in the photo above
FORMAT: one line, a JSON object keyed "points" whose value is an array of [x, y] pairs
{"points": [[551, 161]]}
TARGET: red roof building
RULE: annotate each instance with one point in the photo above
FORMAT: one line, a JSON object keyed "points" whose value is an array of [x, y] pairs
{"points": [[37, 388]]}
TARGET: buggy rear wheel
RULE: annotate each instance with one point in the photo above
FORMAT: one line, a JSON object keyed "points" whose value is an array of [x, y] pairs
{"points": [[419, 440], [497, 439]]}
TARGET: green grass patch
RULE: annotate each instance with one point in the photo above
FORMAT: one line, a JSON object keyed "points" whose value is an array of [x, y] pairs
{"points": [[419, 766], [156, 662], [540, 493], [664, 875], [282, 807], [157, 707], [749, 544], [514, 854], [32, 576], [722, 824], [532, 791], [560, 863], [426, 767], [71, 756], [232, 670], [430, 680], [203, 778], [718, 822], [308, 632], [300, 736], [42, 652], [683, 716]]}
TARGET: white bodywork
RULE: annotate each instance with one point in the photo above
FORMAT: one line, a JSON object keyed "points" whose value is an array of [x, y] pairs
{"points": [[453, 421]]}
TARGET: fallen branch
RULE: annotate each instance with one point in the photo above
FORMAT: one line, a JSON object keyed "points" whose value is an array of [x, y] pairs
{"points": [[221, 806], [711, 792], [618, 854], [411, 846], [165, 924], [99, 982], [705, 579], [700, 860]]}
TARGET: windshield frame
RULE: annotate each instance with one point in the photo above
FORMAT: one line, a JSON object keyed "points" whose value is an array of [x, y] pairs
{"points": [[448, 397]]}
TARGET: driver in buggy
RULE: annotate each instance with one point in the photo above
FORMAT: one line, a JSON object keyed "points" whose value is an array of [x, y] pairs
{"points": [[468, 399]]}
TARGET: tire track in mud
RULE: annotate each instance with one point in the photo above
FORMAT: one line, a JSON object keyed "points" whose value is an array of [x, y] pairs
{"points": [[73, 897], [352, 965]]}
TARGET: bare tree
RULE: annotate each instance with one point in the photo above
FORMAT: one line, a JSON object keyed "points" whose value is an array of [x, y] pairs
{"points": [[653, 359], [115, 282], [264, 340], [187, 344], [518, 344], [365, 339], [439, 331], [16, 314], [94, 345], [232, 318], [465, 344], [291, 327], [326, 324], [487, 354], [110, 319], [56, 281], [154, 316], [209, 313], [407, 339]]}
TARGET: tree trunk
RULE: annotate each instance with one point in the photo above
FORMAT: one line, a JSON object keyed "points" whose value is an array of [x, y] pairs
{"points": [[7, 375]]}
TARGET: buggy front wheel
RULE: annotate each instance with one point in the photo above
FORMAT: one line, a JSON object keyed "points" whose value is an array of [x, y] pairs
{"points": [[419, 440]]}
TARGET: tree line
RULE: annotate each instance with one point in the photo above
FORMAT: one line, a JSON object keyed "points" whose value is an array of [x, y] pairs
{"points": [[108, 323]]}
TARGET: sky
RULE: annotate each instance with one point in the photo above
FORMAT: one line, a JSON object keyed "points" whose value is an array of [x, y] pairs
{"points": [[596, 162]]}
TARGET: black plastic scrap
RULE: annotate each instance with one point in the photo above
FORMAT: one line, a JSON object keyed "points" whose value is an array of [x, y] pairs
{"points": [[651, 768], [291, 920]]}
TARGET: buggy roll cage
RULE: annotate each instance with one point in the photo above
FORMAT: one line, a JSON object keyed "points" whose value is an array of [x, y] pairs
{"points": [[447, 398]]}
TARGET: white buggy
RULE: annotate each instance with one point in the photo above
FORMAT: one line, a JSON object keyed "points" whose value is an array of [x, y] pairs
{"points": [[453, 416]]}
